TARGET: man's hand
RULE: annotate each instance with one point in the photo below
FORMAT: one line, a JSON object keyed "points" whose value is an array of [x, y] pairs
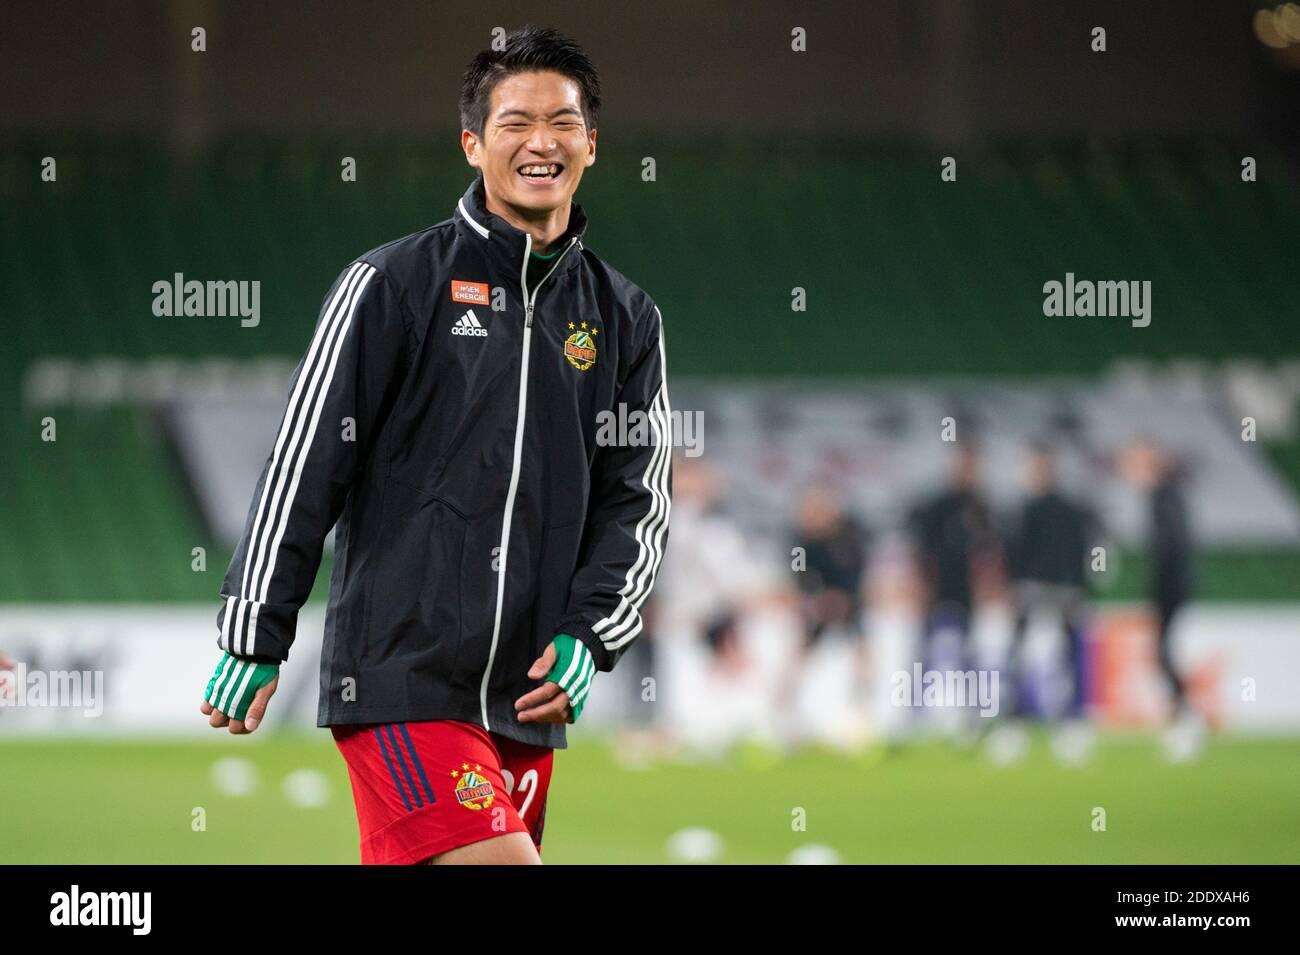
{"points": [[238, 692], [548, 703], [568, 669]]}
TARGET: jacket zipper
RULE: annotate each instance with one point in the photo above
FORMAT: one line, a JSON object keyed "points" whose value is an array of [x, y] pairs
{"points": [[529, 303]]}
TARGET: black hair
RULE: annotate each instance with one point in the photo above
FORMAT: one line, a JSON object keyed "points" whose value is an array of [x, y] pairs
{"points": [[524, 51]]}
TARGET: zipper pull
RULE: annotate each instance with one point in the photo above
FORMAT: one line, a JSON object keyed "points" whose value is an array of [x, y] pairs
{"points": [[528, 317]]}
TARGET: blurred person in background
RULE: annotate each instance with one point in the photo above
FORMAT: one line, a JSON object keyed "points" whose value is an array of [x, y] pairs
{"points": [[955, 539], [1150, 467], [6, 675], [957, 547], [706, 681], [829, 579], [1048, 551]]}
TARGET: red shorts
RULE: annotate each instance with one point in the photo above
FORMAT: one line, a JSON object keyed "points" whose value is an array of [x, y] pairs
{"points": [[425, 788]]}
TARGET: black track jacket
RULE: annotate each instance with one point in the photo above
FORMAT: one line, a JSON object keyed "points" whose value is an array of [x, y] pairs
{"points": [[446, 418]]}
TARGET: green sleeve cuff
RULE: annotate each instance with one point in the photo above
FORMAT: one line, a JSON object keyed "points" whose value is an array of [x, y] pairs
{"points": [[574, 670], [236, 682]]}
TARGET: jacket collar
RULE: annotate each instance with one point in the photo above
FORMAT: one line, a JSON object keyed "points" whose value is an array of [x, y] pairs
{"points": [[504, 244]]}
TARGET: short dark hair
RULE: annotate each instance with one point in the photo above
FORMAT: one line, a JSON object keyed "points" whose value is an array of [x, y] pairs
{"points": [[527, 50]]}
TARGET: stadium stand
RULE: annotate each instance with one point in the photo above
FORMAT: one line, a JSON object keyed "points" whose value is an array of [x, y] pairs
{"points": [[901, 281]]}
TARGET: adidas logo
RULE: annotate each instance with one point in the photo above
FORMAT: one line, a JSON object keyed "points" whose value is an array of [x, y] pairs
{"points": [[467, 324]]}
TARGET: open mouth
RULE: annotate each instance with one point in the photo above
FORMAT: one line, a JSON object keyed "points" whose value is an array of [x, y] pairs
{"points": [[541, 172]]}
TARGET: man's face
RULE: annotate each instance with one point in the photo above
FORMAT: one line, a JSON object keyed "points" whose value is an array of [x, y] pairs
{"points": [[535, 144], [1040, 473], [1141, 463]]}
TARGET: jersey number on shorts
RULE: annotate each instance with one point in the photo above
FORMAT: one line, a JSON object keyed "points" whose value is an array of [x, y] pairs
{"points": [[527, 784]]}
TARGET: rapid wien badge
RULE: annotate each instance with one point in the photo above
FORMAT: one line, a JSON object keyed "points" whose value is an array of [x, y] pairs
{"points": [[473, 789], [580, 346]]}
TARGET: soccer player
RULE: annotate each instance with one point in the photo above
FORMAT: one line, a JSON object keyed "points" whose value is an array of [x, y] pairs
{"points": [[492, 551], [1153, 469], [955, 541], [829, 583], [1048, 554]]}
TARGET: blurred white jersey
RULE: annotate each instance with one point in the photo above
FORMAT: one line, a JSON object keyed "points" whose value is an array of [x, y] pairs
{"points": [[708, 572]]}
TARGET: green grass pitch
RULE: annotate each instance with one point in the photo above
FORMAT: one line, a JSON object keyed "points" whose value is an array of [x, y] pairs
{"points": [[66, 801]]}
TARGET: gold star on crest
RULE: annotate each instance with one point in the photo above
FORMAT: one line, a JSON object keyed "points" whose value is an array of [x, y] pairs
{"points": [[584, 324], [570, 324], [454, 774]]}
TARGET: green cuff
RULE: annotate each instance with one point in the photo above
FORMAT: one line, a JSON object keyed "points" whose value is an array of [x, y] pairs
{"points": [[574, 670], [236, 682]]}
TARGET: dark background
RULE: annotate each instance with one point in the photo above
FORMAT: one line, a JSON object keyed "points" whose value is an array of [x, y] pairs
{"points": [[948, 70]]}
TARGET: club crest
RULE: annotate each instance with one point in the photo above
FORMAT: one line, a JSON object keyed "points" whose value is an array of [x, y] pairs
{"points": [[580, 347], [473, 789]]}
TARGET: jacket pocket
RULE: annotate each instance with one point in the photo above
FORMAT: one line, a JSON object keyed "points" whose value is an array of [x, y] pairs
{"points": [[415, 619], [559, 558], [477, 577]]}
